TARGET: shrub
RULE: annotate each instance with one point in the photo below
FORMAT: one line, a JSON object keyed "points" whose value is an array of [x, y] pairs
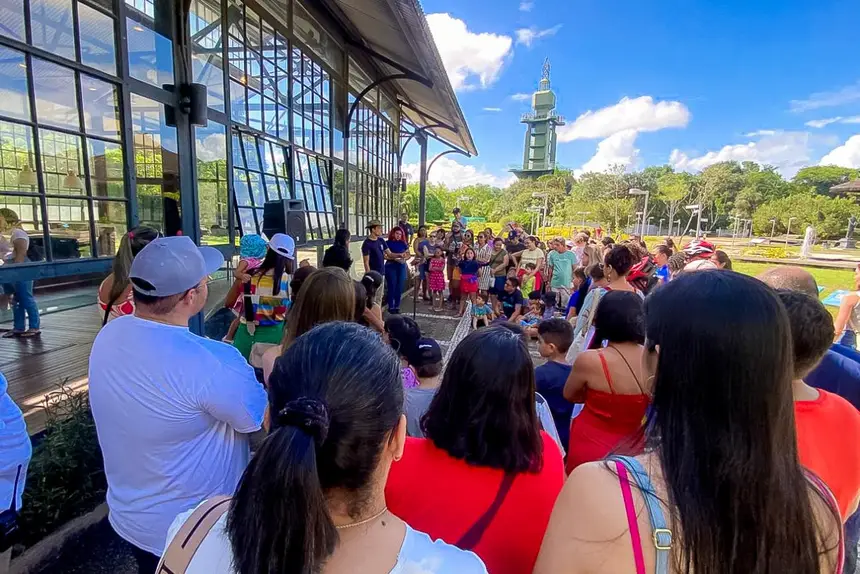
{"points": [[66, 475], [771, 252]]}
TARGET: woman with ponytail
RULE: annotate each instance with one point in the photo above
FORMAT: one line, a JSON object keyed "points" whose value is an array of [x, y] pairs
{"points": [[313, 498], [114, 295]]}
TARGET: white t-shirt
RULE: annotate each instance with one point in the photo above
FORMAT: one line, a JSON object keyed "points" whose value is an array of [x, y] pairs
{"points": [[7, 246], [15, 448], [418, 553], [172, 411]]}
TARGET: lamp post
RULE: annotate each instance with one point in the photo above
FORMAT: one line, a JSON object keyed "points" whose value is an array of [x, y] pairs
{"points": [[788, 229], [639, 220], [647, 194], [583, 214], [772, 229], [649, 226], [677, 227], [660, 227], [545, 196], [628, 222]]}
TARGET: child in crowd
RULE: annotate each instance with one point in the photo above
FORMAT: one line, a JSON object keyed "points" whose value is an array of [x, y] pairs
{"points": [[468, 278], [426, 359], [436, 278], [549, 300], [252, 250], [581, 284], [530, 320], [529, 282], [481, 312], [555, 337], [402, 333]]}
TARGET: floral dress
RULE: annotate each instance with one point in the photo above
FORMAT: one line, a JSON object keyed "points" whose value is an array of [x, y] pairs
{"points": [[485, 275]]}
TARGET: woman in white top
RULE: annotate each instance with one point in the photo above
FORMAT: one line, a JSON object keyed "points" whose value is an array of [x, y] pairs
{"points": [[15, 453], [313, 497], [535, 255], [14, 250]]}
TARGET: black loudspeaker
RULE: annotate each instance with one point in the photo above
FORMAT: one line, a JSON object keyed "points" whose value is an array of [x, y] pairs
{"points": [[192, 101], [286, 216]]}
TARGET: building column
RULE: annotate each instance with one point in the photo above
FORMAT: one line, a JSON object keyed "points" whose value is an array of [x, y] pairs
{"points": [[422, 179]]}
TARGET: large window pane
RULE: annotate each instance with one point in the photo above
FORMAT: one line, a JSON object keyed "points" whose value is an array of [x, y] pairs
{"points": [[150, 50], [106, 171], [12, 19], [156, 166], [69, 227], [206, 44], [101, 107], [51, 23], [211, 147], [98, 48], [62, 162], [16, 158], [110, 225], [14, 101], [56, 99]]}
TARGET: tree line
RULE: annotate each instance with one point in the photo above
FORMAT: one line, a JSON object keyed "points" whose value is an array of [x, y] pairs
{"points": [[729, 192]]}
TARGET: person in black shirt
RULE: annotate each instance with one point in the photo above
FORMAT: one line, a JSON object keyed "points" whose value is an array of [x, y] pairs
{"points": [[511, 301], [338, 254], [406, 227], [373, 252]]}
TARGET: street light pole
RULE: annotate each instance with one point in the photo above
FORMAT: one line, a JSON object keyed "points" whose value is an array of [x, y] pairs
{"points": [[788, 229], [660, 227], [772, 229], [647, 194], [647, 229], [677, 227]]}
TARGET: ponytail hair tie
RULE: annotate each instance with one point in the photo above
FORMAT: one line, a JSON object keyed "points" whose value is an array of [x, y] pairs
{"points": [[308, 415], [131, 234]]}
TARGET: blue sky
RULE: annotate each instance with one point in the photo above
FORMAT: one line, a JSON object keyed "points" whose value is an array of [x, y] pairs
{"points": [[647, 83]]}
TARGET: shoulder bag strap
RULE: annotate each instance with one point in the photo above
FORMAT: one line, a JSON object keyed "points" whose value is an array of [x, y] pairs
{"points": [[662, 535], [473, 536], [178, 555], [830, 499], [632, 518]]}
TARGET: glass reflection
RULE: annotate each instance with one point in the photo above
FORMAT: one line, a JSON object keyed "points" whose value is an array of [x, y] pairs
{"points": [[150, 50], [12, 19], [69, 227], [206, 44], [106, 169], [156, 166], [19, 214], [14, 101], [51, 25], [110, 226], [56, 98], [16, 158], [101, 107], [211, 148], [62, 162], [98, 48]]}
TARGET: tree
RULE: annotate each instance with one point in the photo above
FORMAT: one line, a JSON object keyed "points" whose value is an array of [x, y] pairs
{"points": [[829, 216], [673, 189], [821, 178]]}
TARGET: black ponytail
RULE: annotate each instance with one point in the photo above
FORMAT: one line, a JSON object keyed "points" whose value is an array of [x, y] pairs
{"points": [[329, 428]]}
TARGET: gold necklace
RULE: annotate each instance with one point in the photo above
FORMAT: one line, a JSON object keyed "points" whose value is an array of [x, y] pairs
{"points": [[365, 521]]}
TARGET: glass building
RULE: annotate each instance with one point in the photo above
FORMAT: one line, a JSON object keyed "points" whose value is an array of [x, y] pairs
{"points": [[94, 140], [310, 101]]}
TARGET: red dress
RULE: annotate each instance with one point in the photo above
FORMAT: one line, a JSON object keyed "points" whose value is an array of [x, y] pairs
{"points": [[443, 496], [436, 278], [605, 423]]}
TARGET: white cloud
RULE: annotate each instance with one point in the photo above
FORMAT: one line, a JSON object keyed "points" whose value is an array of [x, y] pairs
{"points": [[492, 109], [823, 122], [851, 120], [213, 147], [527, 36], [521, 97], [526, 6], [846, 155], [456, 175], [760, 133], [787, 151], [846, 95], [469, 56], [640, 114], [619, 148]]}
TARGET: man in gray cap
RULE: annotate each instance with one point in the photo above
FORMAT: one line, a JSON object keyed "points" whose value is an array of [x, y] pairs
{"points": [[173, 410]]}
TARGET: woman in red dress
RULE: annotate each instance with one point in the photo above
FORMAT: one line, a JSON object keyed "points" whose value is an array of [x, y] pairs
{"points": [[609, 381], [486, 477]]}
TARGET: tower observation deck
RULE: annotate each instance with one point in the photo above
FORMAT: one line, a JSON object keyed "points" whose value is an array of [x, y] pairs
{"points": [[541, 123]]}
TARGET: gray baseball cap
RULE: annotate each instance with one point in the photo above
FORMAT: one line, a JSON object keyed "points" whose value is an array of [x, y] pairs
{"points": [[173, 265]]}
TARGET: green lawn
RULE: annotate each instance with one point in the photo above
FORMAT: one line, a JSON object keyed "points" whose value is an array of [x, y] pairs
{"points": [[830, 279]]}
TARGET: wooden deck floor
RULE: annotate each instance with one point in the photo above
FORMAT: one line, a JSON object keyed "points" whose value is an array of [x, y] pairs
{"points": [[36, 367]]}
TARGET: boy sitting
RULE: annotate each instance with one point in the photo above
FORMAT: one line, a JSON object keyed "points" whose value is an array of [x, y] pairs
{"points": [[555, 337]]}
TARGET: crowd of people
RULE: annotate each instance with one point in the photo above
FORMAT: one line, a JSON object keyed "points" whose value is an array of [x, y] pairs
{"points": [[685, 418]]}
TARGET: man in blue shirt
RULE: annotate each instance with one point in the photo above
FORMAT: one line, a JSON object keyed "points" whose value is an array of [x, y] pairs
{"points": [[373, 254], [555, 336], [408, 232]]}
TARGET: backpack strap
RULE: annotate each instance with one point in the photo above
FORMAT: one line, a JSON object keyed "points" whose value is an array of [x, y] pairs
{"points": [[662, 535], [830, 499], [472, 536], [178, 555]]}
